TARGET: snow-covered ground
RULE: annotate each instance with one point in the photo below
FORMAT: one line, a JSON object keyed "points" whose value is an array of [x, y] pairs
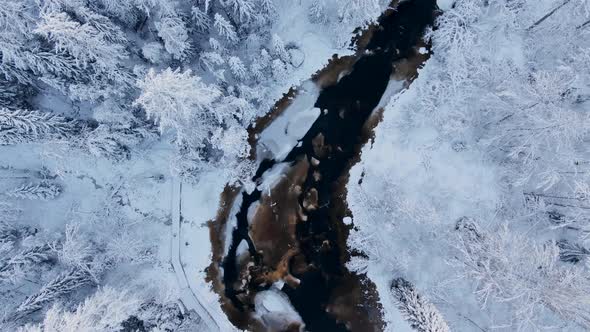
{"points": [[464, 188], [274, 309], [191, 249], [475, 190], [200, 200], [413, 189], [286, 130], [98, 191]]}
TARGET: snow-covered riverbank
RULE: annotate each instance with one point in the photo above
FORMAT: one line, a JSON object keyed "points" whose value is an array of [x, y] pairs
{"points": [[468, 190]]}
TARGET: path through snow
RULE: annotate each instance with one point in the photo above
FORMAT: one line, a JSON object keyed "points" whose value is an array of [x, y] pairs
{"points": [[192, 297]]}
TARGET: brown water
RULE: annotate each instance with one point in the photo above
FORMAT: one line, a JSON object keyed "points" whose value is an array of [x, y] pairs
{"points": [[296, 233]]}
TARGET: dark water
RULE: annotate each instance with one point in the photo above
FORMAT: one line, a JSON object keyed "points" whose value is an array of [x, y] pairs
{"points": [[349, 103]]}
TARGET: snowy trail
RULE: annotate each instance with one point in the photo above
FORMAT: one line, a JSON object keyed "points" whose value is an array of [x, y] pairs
{"points": [[190, 297]]}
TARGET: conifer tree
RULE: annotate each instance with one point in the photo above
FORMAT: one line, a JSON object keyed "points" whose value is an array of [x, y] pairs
{"points": [[21, 126], [420, 313], [43, 190], [61, 285], [225, 29]]}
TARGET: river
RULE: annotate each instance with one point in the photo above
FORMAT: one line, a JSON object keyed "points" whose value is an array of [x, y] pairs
{"points": [[294, 233]]}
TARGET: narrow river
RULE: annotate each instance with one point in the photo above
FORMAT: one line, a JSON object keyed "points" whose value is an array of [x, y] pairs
{"points": [[295, 235]]}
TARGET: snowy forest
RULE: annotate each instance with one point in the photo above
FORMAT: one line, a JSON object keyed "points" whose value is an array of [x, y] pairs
{"points": [[294, 165]]}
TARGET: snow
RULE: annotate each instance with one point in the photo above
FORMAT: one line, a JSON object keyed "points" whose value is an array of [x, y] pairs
{"points": [[199, 205], [392, 89], [137, 205], [200, 201], [314, 41], [275, 310], [86, 180], [392, 317], [283, 133], [297, 57], [347, 220], [454, 145], [232, 222], [413, 165], [445, 4], [242, 248], [272, 176], [252, 211], [89, 186], [194, 248]]}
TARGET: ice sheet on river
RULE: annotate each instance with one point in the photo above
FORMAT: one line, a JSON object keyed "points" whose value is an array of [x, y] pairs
{"points": [[284, 133]]}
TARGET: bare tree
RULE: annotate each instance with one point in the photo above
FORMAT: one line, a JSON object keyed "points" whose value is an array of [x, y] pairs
{"points": [[510, 268]]}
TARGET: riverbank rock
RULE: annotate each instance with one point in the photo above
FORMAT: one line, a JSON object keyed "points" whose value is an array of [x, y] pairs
{"points": [[297, 57]]}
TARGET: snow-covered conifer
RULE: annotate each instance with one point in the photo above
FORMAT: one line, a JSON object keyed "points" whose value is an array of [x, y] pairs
{"points": [[278, 49], [259, 66], [9, 232], [420, 313], [24, 59], [212, 61], [200, 19], [21, 126], [105, 310], [358, 12], [126, 11], [79, 251], [216, 45], [104, 142], [279, 69], [13, 95], [173, 32], [168, 316], [243, 10], [251, 94], [264, 58], [317, 12], [16, 18], [61, 285], [268, 8], [179, 100], [237, 68], [148, 6], [44, 190], [238, 108], [12, 268], [572, 252], [117, 133], [28, 65], [257, 71], [233, 143], [127, 247], [109, 31], [8, 235], [225, 29], [153, 52], [84, 42]]}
